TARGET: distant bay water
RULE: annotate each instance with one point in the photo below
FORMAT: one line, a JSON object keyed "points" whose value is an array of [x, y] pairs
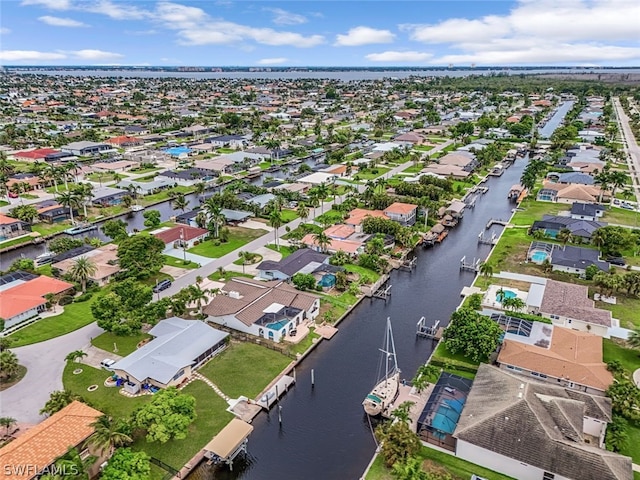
{"points": [[341, 75]]}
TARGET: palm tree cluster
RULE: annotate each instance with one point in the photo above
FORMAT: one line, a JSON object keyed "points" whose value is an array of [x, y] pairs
{"points": [[610, 179]]}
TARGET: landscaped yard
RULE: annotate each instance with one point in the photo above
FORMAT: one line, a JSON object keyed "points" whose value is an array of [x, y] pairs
{"points": [[621, 216], [534, 210], [105, 399], [372, 173], [262, 366], [366, 275], [238, 237], [125, 345], [49, 228], [288, 215], [305, 343], [626, 310], [458, 468], [16, 241], [228, 274], [165, 194], [75, 316], [211, 418], [283, 250], [330, 217], [178, 262], [442, 356]]}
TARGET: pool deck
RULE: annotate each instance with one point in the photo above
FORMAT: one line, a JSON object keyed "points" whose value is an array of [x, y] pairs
{"points": [[326, 331], [408, 394]]}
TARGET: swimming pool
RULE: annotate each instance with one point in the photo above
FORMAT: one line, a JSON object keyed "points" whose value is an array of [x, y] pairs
{"points": [[277, 325], [505, 294], [328, 280], [539, 256]]}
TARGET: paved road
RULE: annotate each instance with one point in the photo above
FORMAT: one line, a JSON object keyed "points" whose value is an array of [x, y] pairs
{"points": [[630, 147], [208, 269], [45, 363]]}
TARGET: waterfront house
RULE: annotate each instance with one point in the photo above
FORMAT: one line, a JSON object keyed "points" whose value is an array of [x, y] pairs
{"points": [[357, 215], [303, 260], [180, 236], [443, 171], [568, 305], [12, 227], [178, 348], [50, 211], [34, 452], [572, 259], [268, 310], [108, 196], [36, 155], [587, 211], [124, 141], [230, 141], [551, 225], [105, 259], [146, 188], [189, 176], [531, 430], [403, 213], [570, 193], [23, 295], [571, 359]]}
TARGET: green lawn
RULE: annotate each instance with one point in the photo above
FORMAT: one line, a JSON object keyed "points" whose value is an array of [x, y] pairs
{"points": [[369, 276], [228, 274], [458, 468], [305, 343], [60, 188], [211, 418], [105, 399], [442, 355], [49, 228], [372, 173], [331, 217], [225, 150], [178, 262], [621, 216], [534, 210], [245, 369], [626, 310], [422, 148], [16, 241], [165, 194], [101, 177], [138, 171], [288, 215], [632, 449], [629, 357], [283, 250], [414, 168], [75, 316], [3, 203], [238, 237], [125, 345]]}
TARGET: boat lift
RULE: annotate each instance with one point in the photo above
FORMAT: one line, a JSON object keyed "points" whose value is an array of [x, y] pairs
{"points": [[229, 443], [434, 332], [383, 293], [486, 240], [473, 266]]}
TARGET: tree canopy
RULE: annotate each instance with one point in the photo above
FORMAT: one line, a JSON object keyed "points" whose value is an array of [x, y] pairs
{"points": [[167, 416], [141, 255], [472, 334], [125, 464]]}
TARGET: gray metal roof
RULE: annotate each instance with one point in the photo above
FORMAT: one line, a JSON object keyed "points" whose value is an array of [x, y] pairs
{"points": [[176, 345]]}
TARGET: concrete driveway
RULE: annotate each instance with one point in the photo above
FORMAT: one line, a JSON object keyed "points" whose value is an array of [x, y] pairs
{"points": [[45, 364]]}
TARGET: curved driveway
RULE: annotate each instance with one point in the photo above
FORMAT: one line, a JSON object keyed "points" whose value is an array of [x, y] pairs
{"points": [[45, 363]]}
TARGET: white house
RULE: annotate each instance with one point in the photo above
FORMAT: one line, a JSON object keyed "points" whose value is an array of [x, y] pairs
{"points": [[269, 310], [536, 431]]}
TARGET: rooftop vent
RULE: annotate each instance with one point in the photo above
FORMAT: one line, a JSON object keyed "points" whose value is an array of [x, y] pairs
{"points": [[234, 294]]}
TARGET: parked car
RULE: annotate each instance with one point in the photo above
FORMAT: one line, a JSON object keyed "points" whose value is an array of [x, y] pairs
{"points": [[107, 364], [161, 285], [627, 206], [616, 260]]}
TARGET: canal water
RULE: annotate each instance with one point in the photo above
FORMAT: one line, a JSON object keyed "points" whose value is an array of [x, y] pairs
{"points": [[324, 431], [556, 119]]}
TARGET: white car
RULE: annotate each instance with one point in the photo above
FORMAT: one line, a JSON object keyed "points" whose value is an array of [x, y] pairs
{"points": [[107, 364]]}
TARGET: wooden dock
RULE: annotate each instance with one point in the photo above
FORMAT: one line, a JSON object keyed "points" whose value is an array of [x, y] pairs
{"points": [[496, 221], [407, 393], [409, 265], [277, 390], [383, 293], [326, 331]]}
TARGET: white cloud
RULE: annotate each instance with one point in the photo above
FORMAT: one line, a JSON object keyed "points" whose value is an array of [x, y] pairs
{"points": [[282, 17], [51, 4], [30, 55], [90, 54], [272, 61], [61, 22], [542, 31], [400, 57], [116, 11], [363, 36], [5, 31], [195, 27], [141, 32]]}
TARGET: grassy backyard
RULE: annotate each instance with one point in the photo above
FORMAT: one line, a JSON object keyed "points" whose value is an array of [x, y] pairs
{"points": [[626, 310], [125, 345], [265, 366], [621, 216], [211, 418], [49, 228], [282, 250], [75, 316], [435, 460], [366, 275], [288, 215], [534, 210], [238, 237], [178, 262], [305, 343]]}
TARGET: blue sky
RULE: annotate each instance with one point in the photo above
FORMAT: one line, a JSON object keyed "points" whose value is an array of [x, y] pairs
{"points": [[308, 33]]}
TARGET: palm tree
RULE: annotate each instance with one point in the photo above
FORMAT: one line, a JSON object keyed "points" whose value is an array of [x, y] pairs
{"points": [[245, 257], [108, 435], [634, 338], [603, 179], [403, 410], [424, 373], [53, 173], [565, 236], [599, 238], [69, 199], [180, 203], [198, 295], [82, 270], [7, 422], [486, 270], [274, 144], [214, 214], [199, 188], [618, 179], [322, 240], [85, 192], [275, 221], [8, 364], [75, 356], [323, 191], [303, 211]]}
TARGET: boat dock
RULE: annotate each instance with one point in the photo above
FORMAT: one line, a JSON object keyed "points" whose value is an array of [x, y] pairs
{"points": [[496, 221], [326, 331], [473, 266], [434, 332], [486, 240], [407, 393], [278, 389]]}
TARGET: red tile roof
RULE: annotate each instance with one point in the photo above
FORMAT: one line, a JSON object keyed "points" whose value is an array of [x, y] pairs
{"points": [[173, 234], [29, 295], [400, 208], [5, 220], [38, 153]]}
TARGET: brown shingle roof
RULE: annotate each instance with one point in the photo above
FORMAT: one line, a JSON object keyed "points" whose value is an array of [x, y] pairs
{"points": [[49, 440], [572, 301]]}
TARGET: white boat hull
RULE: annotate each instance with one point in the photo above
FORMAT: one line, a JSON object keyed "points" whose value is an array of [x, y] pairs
{"points": [[382, 395]]}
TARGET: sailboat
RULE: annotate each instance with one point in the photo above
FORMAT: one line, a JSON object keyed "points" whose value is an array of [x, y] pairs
{"points": [[386, 388]]}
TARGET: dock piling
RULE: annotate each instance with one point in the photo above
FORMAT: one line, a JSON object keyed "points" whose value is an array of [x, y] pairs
{"points": [[313, 380]]}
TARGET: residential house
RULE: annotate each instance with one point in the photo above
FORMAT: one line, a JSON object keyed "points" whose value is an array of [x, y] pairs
{"points": [[50, 211], [231, 141], [465, 160], [12, 227], [268, 310], [178, 348], [403, 213], [357, 215], [135, 130], [34, 452], [180, 236], [218, 164], [145, 188], [568, 305], [124, 141], [531, 430], [113, 166], [444, 171], [572, 259], [189, 176], [105, 259], [36, 155], [85, 148], [23, 296], [572, 359], [586, 211], [551, 225], [34, 181], [108, 196], [303, 260], [570, 193]]}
